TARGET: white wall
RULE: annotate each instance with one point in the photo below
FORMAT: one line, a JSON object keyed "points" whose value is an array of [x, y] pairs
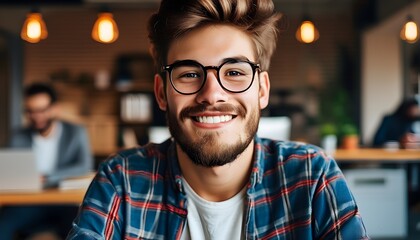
{"points": [[381, 84], [382, 70]]}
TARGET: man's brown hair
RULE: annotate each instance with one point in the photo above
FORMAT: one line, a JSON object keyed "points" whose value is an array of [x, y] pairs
{"points": [[174, 18]]}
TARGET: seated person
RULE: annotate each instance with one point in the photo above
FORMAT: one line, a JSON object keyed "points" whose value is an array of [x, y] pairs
{"points": [[61, 151], [215, 178], [399, 126]]}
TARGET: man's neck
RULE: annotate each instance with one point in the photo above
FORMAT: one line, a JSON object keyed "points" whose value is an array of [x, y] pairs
{"points": [[218, 183]]}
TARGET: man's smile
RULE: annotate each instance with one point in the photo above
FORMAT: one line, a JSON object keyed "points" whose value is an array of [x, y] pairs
{"points": [[213, 119]]}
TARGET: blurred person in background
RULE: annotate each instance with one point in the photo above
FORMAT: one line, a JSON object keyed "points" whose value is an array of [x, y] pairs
{"points": [[401, 129], [61, 151], [401, 126]]}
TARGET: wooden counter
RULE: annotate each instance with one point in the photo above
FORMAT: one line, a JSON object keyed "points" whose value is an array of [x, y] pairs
{"points": [[377, 155], [50, 196], [70, 191]]}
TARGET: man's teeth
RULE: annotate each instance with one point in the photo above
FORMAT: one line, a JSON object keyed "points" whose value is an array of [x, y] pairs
{"points": [[214, 119]]}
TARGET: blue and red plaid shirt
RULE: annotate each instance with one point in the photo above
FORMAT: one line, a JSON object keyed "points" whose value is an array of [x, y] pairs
{"points": [[295, 191]]}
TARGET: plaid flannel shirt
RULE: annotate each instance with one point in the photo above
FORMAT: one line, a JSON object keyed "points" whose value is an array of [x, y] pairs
{"points": [[295, 191]]}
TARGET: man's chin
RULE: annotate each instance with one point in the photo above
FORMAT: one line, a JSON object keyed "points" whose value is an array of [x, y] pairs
{"points": [[213, 153], [41, 129]]}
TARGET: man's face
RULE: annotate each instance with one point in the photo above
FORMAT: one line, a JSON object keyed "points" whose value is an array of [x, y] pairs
{"points": [[39, 111], [413, 113], [213, 126]]}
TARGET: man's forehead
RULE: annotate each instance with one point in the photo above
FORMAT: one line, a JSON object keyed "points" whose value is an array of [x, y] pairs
{"points": [[39, 98], [211, 45]]}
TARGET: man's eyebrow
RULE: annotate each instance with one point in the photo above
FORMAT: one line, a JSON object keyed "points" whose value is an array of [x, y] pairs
{"points": [[240, 58], [237, 58], [180, 60]]}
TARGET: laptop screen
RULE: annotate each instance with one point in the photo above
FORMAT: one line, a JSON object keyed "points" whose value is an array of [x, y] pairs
{"points": [[277, 128], [18, 172]]}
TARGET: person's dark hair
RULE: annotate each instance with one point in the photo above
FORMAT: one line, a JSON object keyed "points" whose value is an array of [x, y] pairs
{"points": [[402, 109], [257, 18], [39, 88]]}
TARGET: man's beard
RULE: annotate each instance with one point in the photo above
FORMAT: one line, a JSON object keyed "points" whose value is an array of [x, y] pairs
{"points": [[44, 129], [206, 150]]}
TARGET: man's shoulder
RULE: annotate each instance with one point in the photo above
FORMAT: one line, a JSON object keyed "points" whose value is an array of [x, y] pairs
{"points": [[21, 131], [141, 157], [21, 137], [70, 125], [392, 119], [286, 148], [293, 154], [294, 160]]}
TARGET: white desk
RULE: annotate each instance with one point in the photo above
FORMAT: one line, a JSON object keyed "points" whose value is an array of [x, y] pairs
{"points": [[380, 191]]}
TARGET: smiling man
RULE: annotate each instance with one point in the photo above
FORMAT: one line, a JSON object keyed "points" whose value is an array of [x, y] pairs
{"points": [[215, 179]]}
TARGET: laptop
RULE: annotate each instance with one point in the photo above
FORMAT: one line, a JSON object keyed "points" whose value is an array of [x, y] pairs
{"points": [[158, 134], [18, 171], [277, 128]]}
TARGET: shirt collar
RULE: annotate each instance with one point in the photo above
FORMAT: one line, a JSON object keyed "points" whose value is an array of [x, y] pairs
{"points": [[174, 169], [256, 172], [259, 156]]}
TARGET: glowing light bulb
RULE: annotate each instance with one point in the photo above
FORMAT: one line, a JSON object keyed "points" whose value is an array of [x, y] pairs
{"points": [[34, 28], [410, 32], [105, 29], [307, 33], [307, 30]]}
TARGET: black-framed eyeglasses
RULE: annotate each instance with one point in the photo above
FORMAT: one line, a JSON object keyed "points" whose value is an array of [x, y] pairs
{"points": [[189, 76], [38, 110]]}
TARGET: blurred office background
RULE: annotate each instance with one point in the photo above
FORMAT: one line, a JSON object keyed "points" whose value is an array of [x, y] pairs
{"points": [[358, 70], [358, 65]]}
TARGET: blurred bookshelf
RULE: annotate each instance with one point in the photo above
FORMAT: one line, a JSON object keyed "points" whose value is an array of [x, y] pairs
{"points": [[116, 110]]}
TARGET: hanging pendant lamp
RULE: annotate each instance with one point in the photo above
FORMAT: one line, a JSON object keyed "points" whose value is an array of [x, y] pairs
{"points": [[410, 31], [105, 29], [34, 28]]}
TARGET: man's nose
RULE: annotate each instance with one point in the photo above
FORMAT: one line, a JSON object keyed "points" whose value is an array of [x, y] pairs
{"points": [[212, 92]]}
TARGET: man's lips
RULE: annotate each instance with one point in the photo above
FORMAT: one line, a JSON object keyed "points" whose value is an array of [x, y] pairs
{"points": [[213, 119], [206, 114]]}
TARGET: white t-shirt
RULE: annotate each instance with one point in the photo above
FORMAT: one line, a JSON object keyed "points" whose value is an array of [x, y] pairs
{"points": [[213, 220], [46, 150]]}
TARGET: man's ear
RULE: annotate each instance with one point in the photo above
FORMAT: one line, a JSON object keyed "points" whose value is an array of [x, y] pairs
{"points": [[160, 94], [264, 92]]}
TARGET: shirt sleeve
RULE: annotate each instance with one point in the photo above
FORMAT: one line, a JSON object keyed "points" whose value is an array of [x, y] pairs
{"points": [[335, 211], [101, 213]]}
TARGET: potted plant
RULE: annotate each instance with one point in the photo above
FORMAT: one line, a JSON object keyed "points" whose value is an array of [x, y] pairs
{"points": [[349, 136], [335, 113]]}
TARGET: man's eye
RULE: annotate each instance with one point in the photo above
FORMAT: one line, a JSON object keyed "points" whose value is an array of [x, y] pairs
{"points": [[234, 73], [190, 75]]}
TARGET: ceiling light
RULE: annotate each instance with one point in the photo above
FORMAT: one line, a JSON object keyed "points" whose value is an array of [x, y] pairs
{"points": [[34, 28], [105, 30], [410, 31], [307, 32]]}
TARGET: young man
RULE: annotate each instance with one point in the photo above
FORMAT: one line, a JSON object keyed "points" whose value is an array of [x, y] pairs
{"points": [[216, 179], [61, 151]]}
